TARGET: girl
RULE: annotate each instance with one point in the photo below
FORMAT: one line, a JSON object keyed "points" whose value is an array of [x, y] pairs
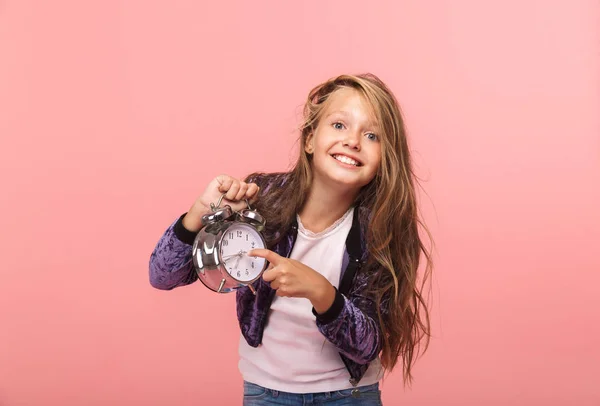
{"points": [[341, 301]]}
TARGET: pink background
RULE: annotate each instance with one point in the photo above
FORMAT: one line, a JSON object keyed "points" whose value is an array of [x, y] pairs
{"points": [[115, 115]]}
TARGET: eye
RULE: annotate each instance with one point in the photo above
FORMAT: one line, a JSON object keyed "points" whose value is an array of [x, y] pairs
{"points": [[338, 126], [372, 136]]}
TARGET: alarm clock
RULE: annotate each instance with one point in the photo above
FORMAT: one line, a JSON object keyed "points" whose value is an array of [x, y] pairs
{"points": [[220, 249]]}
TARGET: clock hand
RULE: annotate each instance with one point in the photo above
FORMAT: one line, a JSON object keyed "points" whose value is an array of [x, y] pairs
{"points": [[228, 257], [239, 255]]}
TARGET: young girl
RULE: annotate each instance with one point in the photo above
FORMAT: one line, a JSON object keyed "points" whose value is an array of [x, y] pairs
{"points": [[341, 300]]}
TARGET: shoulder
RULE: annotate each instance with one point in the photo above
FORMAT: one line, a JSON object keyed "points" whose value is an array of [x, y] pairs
{"points": [[364, 216]]}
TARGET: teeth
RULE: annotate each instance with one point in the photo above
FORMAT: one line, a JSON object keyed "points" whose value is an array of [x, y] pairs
{"points": [[346, 160]]}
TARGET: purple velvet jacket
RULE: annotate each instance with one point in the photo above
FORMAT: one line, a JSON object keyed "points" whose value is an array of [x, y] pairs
{"points": [[351, 323]]}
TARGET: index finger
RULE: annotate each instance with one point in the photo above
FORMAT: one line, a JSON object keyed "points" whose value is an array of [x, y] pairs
{"points": [[269, 255]]}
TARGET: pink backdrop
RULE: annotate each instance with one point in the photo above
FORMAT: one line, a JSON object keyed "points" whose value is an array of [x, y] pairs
{"points": [[114, 116]]}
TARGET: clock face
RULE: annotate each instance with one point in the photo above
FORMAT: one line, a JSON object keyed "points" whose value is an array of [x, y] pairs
{"points": [[237, 241]]}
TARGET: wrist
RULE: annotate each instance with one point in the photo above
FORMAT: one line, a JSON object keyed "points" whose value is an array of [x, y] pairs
{"points": [[324, 298], [183, 234], [192, 221]]}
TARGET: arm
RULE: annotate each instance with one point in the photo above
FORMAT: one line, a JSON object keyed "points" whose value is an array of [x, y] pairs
{"points": [[352, 324], [171, 261]]}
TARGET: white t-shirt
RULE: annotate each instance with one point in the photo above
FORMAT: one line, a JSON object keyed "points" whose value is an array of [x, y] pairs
{"points": [[294, 356]]}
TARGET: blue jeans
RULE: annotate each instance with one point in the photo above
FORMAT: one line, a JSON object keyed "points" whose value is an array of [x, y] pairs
{"points": [[255, 395]]}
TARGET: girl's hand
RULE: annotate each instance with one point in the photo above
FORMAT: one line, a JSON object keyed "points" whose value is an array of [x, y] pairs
{"points": [[292, 278], [236, 191]]}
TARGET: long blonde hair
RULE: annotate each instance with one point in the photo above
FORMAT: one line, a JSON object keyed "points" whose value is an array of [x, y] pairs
{"points": [[393, 233]]}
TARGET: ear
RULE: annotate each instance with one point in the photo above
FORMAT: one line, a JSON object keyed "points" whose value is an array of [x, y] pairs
{"points": [[308, 145]]}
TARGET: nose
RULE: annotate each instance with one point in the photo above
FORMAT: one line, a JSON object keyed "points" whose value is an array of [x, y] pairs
{"points": [[352, 140]]}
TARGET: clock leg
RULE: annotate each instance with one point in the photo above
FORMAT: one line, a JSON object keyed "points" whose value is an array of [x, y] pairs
{"points": [[221, 285]]}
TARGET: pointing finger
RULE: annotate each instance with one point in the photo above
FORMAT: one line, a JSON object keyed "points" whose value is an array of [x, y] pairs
{"points": [[269, 255]]}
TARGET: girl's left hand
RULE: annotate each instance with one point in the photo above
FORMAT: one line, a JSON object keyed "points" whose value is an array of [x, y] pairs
{"points": [[292, 278]]}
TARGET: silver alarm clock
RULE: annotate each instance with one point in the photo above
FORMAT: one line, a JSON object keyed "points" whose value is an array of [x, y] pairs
{"points": [[220, 249]]}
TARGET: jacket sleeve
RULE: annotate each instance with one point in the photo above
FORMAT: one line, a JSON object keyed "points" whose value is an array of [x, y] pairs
{"points": [[352, 324], [171, 261]]}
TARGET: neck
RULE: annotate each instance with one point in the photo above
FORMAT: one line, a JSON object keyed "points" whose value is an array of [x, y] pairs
{"points": [[324, 206]]}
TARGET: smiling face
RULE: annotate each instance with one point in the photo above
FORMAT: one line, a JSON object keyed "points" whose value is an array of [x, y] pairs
{"points": [[345, 146]]}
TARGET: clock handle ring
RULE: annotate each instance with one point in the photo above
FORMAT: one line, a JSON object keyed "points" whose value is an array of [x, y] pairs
{"points": [[214, 207]]}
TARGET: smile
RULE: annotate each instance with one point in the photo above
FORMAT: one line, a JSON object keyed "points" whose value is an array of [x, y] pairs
{"points": [[346, 160]]}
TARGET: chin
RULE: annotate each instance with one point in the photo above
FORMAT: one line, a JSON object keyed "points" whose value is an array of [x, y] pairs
{"points": [[346, 183]]}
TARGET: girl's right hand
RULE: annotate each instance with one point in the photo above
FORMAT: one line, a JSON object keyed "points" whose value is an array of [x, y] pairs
{"points": [[236, 193]]}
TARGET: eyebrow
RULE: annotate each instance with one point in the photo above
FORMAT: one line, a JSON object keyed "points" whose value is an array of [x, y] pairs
{"points": [[342, 112]]}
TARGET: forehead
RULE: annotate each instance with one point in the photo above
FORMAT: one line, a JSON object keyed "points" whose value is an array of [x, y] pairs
{"points": [[351, 103]]}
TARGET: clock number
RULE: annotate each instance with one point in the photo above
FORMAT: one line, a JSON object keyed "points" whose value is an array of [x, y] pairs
{"points": [[225, 243], [252, 264], [239, 233], [246, 236], [230, 236], [239, 274]]}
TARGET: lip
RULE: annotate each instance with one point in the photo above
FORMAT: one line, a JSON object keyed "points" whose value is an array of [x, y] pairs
{"points": [[349, 156]]}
